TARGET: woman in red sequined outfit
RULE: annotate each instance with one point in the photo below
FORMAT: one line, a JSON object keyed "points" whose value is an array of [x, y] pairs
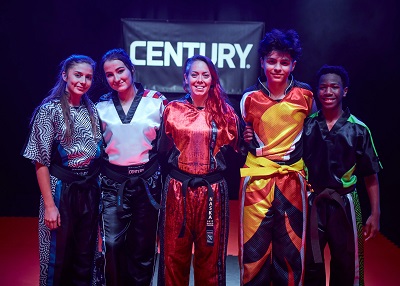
{"points": [[198, 130]]}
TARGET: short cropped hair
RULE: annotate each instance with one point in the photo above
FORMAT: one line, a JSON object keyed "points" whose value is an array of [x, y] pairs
{"points": [[339, 70]]}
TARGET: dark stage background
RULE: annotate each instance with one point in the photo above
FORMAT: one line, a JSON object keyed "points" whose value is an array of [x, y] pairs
{"points": [[362, 35]]}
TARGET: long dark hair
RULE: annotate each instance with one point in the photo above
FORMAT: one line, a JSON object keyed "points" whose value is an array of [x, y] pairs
{"points": [[117, 54], [58, 92], [216, 103]]}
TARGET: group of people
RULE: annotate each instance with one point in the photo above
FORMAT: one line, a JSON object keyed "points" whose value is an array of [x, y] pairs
{"points": [[298, 190], [134, 175]]}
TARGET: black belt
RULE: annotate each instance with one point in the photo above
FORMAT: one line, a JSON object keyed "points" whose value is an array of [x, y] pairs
{"points": [[71, 177], [149, 169], [84, 184], [194, 181], [331, 195]]}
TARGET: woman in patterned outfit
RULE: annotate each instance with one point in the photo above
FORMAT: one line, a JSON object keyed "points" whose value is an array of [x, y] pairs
{"points": [[198, 129], [130, 178], [65, 144], [273, 195], [338, 147]]}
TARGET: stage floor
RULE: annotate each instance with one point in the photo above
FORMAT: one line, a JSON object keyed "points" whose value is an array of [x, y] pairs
{"points": [[19, 265]]}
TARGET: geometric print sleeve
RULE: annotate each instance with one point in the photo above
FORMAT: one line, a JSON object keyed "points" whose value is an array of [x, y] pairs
{"points": [[40, 141]]}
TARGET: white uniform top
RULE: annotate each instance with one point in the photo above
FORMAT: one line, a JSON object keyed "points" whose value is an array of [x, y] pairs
{"points": [[131, 140]]}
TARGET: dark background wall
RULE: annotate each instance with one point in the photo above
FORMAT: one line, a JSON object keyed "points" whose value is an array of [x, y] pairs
{"points": [[362, 35]]}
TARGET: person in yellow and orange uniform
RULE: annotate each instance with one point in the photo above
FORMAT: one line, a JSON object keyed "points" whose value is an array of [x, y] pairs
{"points": [[273, 189]]}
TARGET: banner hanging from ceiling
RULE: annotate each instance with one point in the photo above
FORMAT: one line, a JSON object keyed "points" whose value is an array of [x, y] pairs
{"points": [[158, 49]]}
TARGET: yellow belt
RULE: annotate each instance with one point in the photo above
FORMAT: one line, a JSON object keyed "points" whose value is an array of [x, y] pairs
{"points": [[260, 166]]}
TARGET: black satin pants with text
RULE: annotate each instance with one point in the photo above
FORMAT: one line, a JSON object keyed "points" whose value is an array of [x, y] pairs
{"points": [[129, 235]]}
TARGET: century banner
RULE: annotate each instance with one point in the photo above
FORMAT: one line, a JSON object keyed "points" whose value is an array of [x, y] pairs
{"points": [[159, 49]]}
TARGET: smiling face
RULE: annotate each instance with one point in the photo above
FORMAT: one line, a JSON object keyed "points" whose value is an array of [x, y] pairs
{"points": [[199, 79], [331, 91], [79, 79], [277, 67], [118, 76]]}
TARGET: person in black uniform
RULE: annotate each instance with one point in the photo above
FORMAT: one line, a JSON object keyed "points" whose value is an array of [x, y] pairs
{"points": [[338, 147]]}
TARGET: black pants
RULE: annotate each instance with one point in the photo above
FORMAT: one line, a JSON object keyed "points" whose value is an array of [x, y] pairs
{"points": [[334, 227], [76, 237], [130, 235]]}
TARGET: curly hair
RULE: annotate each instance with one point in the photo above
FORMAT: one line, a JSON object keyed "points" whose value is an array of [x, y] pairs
{"points": [[280, 40]]}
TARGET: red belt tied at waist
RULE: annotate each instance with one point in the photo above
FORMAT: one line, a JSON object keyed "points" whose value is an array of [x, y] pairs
{"points": [[115, 173], [193, 181]]}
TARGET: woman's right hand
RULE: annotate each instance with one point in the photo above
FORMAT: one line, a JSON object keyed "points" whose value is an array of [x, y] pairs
{"points": [[52, 217], [51, 214]]}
